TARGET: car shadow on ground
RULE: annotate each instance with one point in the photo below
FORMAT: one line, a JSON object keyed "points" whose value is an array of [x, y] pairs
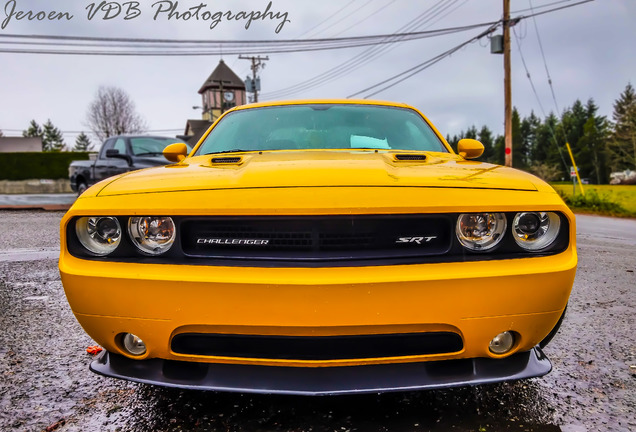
{"points": [[501, 407]]}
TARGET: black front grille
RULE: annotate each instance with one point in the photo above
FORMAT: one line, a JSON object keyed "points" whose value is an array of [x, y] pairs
{"points": [[317, 347], [319, 238]]}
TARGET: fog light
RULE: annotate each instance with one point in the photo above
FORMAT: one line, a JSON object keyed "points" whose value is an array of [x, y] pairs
{"points": [[502, 343], [133, 344]]}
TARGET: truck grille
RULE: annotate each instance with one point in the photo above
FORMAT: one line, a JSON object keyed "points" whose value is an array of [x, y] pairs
{"points": [[317, 238]]}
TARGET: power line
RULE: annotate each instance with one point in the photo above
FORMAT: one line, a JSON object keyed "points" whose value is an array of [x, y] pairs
{"points": [[346, 16], [545, 63], [422, 66], [166, 47], [536, 95], [362, 58], [541, 6], [240, 43], [328, 18], [535, 14], [92, 133], [523, 61], [365, 18]]}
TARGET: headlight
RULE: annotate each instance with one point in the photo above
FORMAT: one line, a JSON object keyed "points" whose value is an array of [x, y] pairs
{"points": [[535, 230], [480, 231], [100, 235], [152, 235]]}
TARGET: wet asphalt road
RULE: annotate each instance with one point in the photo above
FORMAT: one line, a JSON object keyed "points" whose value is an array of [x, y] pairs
{"points": [[45, 383]]}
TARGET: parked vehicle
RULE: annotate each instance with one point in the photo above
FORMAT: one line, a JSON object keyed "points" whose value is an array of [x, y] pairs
{"points": [[119, 154], [320, 247]]}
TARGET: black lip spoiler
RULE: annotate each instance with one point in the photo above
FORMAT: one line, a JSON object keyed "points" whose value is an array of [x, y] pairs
{"points": [[314, 381]]}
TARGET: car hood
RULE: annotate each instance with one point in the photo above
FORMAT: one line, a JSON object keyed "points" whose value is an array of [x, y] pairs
{"points": [[320, 168]]}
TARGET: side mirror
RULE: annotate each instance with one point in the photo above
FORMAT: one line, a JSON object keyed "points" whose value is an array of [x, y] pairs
{"points": [[114, 153], [176, 152], [470, 148]]}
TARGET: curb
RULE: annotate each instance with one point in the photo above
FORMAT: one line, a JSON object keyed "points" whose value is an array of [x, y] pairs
{"points": [[45, 207]]}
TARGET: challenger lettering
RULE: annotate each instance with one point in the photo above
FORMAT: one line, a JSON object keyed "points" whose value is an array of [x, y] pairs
{"points": [[231, 241]]}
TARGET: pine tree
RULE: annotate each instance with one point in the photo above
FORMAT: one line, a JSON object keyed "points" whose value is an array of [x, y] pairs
{"points": [[519, 149], [499, 154], [529, 129], [485, 136], [52, 140], [471, 133], [82, 143], [34, 130], [622, 144], [592, 154]]}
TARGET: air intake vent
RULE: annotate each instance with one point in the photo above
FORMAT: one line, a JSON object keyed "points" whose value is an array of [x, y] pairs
{"points": [[410, 157], [226, 160], [317, 347]]}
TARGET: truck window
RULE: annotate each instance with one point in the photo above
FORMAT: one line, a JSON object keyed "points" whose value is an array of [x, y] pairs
{"points": [[120, 145]]}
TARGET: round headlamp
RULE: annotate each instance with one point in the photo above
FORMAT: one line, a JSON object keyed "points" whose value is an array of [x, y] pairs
{"points": [[152, 235], [100, 235], [535, 230], [480, 231]]}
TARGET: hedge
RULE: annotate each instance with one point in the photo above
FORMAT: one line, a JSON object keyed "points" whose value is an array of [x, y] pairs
{"points": [[33, 165]]}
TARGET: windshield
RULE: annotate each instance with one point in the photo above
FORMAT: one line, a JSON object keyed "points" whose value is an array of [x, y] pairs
{"points": [[151, 146], [321, 126]]}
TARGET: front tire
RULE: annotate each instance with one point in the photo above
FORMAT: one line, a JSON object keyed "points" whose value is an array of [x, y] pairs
{"points": [[81, 188]]}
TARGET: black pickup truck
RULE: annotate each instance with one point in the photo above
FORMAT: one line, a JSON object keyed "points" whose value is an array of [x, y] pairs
{"points": [[119, 154]]}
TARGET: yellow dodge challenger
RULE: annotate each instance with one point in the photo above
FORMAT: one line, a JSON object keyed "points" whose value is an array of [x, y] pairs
{"points": [[320, 247]]}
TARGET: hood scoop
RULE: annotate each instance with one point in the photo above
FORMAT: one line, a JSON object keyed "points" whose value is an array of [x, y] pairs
{"points": [[226, 160], [410, 157]]}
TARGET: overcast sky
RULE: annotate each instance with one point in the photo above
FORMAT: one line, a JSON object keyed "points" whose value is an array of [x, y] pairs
{"points": [[590, 52]]}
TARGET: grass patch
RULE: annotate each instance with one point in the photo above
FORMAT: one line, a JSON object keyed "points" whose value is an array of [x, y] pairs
{"points": [[611, 200]]}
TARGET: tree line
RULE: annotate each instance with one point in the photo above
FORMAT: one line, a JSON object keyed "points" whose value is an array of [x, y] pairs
{"points": [[600, 146], [111, 113]]}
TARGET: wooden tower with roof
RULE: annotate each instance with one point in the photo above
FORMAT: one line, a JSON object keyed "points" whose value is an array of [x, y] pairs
{"points": [[221, 91]]}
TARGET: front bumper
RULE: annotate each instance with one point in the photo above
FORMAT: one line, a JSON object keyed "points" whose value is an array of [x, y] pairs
{"points": [[323, 381]]}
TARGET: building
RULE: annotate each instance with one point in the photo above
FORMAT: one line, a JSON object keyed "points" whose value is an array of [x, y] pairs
{"points": [[194, 130], [20, 144], [221, 91]]}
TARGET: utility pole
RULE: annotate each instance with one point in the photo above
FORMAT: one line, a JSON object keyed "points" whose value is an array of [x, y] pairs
{"points": [[257, 62], [507, 85]]}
